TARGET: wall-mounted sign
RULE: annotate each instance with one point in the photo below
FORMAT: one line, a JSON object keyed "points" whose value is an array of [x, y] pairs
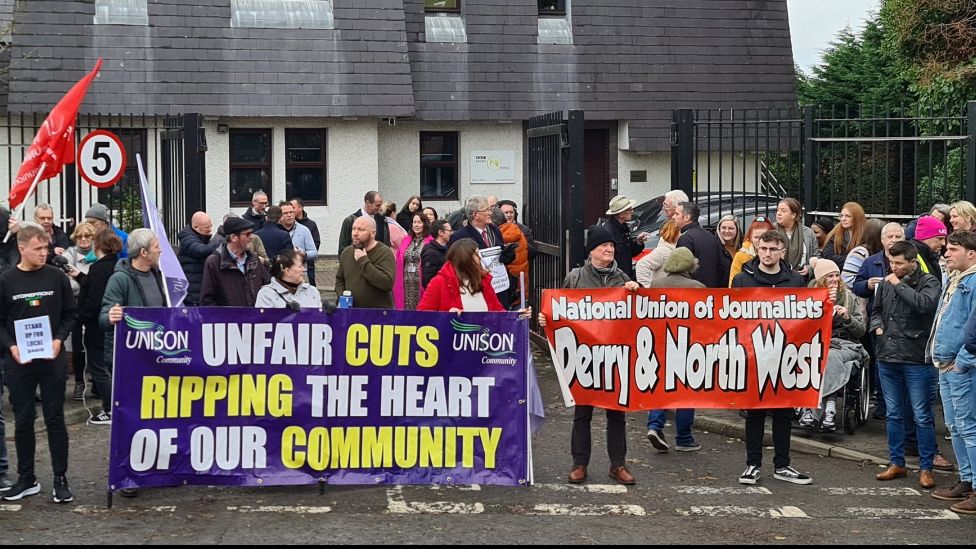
{"points": [[493, 166]]}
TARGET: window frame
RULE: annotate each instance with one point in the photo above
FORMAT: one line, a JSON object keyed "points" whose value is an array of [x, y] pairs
{"points": [[456, 164], [323, 164], [556, 13], [443, 10], [250, 165]]}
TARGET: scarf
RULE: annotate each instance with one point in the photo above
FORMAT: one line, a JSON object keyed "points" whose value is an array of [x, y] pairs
{"points": [[796, 251], [291, 287]]}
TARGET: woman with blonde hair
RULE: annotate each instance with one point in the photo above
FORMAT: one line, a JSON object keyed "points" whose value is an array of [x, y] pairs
{"points": [[846, 235], [651, 266], [745, 254], [962, 216], [729, 233]]}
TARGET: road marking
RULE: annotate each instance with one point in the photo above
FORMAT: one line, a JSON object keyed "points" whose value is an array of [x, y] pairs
{"points": [[592, 488], [458, 487], [396, 504], [712, 490], [566, 510], [298, 509], [913, 514], [889, 491], [718, 511], [100, 509], [10, 508]]}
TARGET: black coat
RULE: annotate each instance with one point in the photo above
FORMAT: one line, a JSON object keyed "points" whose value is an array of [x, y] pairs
{"points": [[905, 312], [275, 238], [224, 285], [195, 248], [624, 247], [258, 220], [92, 291], [930, 258], [753, 277], [714, 261], [432, 258], [59, 239], [507, 256]]}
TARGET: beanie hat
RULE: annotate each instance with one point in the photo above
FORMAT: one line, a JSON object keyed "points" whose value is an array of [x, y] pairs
{"points": [[236, 225], [681, 261], [596, 235], [99, 212], [929, 227], [823, 268], [825, 224]]}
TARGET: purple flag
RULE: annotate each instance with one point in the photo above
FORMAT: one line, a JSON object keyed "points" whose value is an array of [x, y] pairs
{"points": [[176, 283]]}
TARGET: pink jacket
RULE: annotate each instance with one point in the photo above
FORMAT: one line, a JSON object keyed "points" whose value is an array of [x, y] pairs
{"points": [[398, 291]]}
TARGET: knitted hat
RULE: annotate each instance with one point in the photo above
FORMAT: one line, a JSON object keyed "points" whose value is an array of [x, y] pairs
{"points": [[681, 261], [823, 268], [236, 225], [929, 227], [99, 212], [825, 224], [596, 235]]}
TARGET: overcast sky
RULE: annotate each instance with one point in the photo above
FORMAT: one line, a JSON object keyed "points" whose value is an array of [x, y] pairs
{"points": [[814, 23]]}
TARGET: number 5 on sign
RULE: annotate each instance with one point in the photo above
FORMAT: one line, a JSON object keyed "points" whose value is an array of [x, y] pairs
{"points": [[101, 159]]}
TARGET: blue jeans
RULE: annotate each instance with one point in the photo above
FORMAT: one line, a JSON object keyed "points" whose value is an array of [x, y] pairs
{"points": [[899, 380], [959, 404], [683, 420]]}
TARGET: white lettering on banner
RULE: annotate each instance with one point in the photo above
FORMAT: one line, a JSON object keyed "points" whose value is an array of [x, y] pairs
{"points": [[346, 396], [794, 366], [230, 448], [406, 396], [697, 365], [269, 344], [594, 367], [789, 308], [149, 450]]}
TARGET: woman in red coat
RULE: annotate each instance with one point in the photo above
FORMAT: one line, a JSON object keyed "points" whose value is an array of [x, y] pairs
{"points": [[462, 284]]}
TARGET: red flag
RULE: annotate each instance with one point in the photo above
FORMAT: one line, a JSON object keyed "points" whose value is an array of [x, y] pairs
{"points": [[54, 143]]}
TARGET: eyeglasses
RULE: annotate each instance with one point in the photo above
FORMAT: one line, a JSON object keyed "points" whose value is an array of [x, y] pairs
{"points": [[765, 250]]}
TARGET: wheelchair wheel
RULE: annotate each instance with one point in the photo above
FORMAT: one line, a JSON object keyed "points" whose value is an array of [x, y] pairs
{"points": [[864, 402], [850, 421]]}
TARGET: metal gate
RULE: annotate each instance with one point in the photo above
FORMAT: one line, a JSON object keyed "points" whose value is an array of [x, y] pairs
{"points": [[895, 166], [553, 201], [172, 149]]}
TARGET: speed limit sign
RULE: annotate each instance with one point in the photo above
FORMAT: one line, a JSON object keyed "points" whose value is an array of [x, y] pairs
{"points": [[101, 159]]}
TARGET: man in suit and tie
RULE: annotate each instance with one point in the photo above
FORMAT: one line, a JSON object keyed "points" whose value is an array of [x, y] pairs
{"points": [[479, 228]]}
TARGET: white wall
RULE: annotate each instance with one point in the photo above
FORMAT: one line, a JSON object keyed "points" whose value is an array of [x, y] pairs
{"points": [[352, 168], [399, 160], [658, 166]]}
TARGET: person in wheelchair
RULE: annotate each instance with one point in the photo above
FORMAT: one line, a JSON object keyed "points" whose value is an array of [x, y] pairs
{"points": [[846, 351]]}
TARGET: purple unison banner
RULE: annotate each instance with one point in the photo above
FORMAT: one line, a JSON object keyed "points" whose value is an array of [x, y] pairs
{"points": [[254, 397]]}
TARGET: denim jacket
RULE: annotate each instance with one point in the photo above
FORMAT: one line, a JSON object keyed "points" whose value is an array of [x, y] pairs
{"points": [[950, 336]]}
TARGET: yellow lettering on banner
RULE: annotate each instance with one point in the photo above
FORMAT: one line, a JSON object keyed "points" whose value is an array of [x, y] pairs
{"points": [[432, 448], [405, 442], [318, 449], [403, 357], [377, 447], [215, 390], [489, 441], [192, 391], [357, 335], [467, 435], [234, 396], [279, 396], [450, 447], [253, 392], [173, 397], [290, 438], [381, 344], [426, 336], [153, 399], [345, 448]]}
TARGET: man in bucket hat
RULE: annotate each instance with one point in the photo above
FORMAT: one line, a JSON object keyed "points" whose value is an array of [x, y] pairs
{"points": [[621, 211]]}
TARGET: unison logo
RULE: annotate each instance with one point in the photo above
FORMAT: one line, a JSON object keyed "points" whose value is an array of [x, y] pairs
{"points": [[153, 337], [471, 337]]}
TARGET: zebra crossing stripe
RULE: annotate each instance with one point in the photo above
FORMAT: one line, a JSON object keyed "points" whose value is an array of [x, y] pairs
{"points": [[10, 508], [876, 491], [297, 509], [591, 488], [722, 490], [911, 514], [397, 504], [720, 511], [566, 510]]}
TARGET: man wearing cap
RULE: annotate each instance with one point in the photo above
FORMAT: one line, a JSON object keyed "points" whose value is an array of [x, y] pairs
{"points": [[930, 237], [599, 271], [626, 247], [233, 275], [97, 215]]}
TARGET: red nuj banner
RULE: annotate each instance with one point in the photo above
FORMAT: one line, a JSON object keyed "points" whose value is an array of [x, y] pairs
{"points": [[684, 348]]}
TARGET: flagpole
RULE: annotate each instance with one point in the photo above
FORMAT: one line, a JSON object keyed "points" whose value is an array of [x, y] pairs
{"points": [[20, 209], [143, 185]]}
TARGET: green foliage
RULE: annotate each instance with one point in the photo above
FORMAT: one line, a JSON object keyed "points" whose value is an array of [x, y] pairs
{"points": [[945, 184], [130, 209]]}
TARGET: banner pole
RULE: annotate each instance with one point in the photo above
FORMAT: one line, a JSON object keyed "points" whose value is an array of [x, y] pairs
{"points": [[20, 209]]}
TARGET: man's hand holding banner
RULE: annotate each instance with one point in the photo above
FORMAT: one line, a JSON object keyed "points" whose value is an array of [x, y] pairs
{"points": [[685, 348]]}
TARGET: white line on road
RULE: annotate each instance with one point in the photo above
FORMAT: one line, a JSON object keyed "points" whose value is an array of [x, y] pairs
{"points": [[100, 509], [889, 491], [565, 510], [717, 511], [298, 509], [10, 508], [458, 487], [712, 490], [592, 488], [396, 504], [913, 514]]}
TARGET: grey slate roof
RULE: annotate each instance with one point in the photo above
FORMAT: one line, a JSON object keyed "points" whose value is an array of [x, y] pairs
{"points": [[631, 61]]}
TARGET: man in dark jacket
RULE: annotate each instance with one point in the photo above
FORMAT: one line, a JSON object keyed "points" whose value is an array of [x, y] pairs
{"points": [[486, 235], [233, 275], [714, 262], [769, 270], [621, 211], [196, 245], [434, 254], [274, 237], [302, 217], [902, 320], [258, 211], [44, 216], [372, 206]]}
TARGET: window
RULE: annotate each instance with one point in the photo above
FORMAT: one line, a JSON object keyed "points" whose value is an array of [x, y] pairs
{"points": [[305, 168], [282, 14], [453, 6], [121, 12], [250, 165], [552, 7], [439, 165]]}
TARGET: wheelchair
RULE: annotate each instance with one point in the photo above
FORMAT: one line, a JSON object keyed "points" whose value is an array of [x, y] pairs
{"points": [[856, 399]]}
